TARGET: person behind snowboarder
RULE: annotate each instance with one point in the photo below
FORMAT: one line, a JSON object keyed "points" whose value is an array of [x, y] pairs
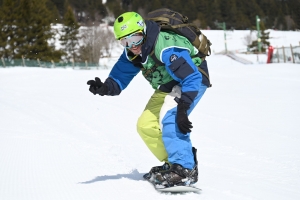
{"points": [[178, 86]]}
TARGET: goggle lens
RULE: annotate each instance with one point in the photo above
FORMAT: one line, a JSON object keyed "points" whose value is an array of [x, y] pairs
{"points": [[133, 39]]}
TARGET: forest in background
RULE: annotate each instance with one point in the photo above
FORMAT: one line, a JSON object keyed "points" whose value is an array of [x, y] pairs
{"points": [[27, 33], [238, 14]]}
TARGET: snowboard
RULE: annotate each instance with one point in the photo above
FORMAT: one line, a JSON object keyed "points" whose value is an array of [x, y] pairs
{"points": [[179, 189], [174, 189]]}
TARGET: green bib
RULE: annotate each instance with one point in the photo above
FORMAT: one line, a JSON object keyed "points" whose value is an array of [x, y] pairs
{"points": [[158, 75]]}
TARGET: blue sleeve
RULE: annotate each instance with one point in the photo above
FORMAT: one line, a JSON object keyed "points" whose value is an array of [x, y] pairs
{"points": [[122, 73], [180, 66]]}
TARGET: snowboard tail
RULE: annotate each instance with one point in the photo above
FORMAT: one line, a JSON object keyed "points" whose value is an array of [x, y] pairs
{"points": [[179, 189]]}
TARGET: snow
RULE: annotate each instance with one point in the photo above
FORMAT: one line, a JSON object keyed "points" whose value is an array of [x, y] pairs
{"points": [[237, 43], [58, 141]]}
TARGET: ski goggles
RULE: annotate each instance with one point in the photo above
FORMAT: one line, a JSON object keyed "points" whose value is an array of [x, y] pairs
{"points": [[132, 39]]}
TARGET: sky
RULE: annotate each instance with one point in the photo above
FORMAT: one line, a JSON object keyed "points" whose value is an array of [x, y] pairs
{"points": [[59, 141]]}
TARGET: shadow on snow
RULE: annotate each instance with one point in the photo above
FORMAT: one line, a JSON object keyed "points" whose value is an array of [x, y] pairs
{"points": [[133, 175]]}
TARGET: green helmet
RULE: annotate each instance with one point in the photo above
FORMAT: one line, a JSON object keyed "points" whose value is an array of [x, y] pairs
{"points": [[128, 23]]}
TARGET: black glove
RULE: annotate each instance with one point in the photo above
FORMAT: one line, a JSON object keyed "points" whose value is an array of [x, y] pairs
{"points": [[97, 87], [182, 120]]}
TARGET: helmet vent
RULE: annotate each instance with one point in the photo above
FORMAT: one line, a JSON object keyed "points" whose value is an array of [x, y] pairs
{"points": [[120, 19]]}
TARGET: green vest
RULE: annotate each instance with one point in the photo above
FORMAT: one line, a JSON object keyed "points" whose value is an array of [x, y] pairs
{"points": [[156, 74]]}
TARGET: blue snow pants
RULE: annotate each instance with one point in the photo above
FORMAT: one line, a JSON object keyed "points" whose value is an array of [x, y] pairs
{"points": [[158, 128]]}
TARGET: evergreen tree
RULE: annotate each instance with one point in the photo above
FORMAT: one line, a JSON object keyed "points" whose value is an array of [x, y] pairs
{"points": [[8, 29], [34, 31], [249, 9], [296, 12], [135, 5], [156, 4], [216, 15], [115, 6], [101, 9], [60, 5], [202, 13], [85, 11], [243, 21], [280, 21], [270, 10], [174, 5], [264, 37], [225, 10], [264, 5], [236, 13], [188, 9], [55, 16], [23, 25], [69, 38], [233, 13]]}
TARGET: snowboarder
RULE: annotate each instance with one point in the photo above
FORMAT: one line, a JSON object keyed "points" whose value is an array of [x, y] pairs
{"points": [[164, 125]]}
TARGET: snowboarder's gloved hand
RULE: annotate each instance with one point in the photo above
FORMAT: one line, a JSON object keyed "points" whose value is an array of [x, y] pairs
{"points": [[97, 87], [182, 119]]}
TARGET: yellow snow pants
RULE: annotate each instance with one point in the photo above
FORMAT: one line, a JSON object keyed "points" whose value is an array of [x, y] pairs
{"points": [[148, 126]]}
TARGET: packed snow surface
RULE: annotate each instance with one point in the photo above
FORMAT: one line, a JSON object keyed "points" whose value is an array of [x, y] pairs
{"points": [[59, 141]]}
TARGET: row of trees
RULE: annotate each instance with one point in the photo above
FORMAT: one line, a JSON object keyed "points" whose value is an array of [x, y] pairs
{"points": [[27, 32], [87, 12], [238, 14]]}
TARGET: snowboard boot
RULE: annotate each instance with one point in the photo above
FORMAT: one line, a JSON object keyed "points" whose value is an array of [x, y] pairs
{"points": [[151, 174], [178, 175]]}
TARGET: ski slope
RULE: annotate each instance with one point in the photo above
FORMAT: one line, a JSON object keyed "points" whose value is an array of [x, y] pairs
{"points": [[59, 141]]}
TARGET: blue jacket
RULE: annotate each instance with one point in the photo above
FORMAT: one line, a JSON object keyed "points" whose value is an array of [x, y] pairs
{"points": [[176, 59]]}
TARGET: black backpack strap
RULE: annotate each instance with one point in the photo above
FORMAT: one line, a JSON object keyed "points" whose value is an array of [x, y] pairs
{"points": [[202, 70], [153, 56], [205, 74], [157, 64]]}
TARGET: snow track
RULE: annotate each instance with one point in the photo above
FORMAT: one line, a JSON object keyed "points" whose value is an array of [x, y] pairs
{"points": [[58, 141], [239, 59]]}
